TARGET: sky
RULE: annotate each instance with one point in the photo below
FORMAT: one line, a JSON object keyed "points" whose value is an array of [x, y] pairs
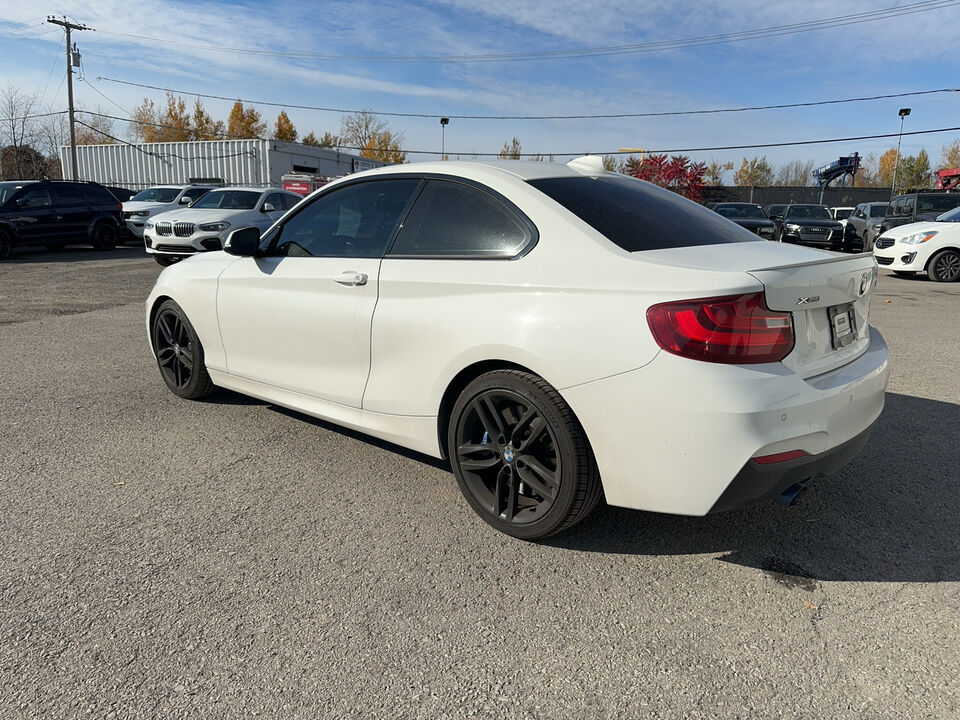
{"points": [[903, 53]]}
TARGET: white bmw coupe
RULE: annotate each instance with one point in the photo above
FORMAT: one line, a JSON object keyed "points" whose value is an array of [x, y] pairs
{"points": [[556, 331]]}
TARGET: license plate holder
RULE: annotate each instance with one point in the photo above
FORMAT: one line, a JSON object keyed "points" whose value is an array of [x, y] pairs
{"points": [[843, 325]]}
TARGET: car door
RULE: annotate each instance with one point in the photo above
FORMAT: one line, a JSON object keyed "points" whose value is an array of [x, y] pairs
{"points": [[75, 212], [299, 317], [36, 219]]}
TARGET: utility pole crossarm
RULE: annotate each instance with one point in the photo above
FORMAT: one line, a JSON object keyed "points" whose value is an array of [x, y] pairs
{"points": [[67, 27]]}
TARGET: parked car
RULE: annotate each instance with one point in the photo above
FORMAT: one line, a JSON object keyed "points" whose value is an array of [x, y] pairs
{"points": [[121, 194], [917, 207], [176, 234], [158, 199], [777, 209], [56, 213], [749, 216], [558, 332], [809, 225], [863, 225], [840, 214], [930, 247]]}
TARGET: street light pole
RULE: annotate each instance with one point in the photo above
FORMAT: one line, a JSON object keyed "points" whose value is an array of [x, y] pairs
{"points": [[896, 163], [68, 26], [443, 137]]}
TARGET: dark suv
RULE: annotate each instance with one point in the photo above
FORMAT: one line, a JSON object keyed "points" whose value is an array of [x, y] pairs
{"points": [[55, 213], [808, 224], [917, 207]]}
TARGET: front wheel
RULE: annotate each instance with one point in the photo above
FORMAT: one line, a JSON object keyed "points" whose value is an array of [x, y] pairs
{"points": [[6, 245], [944, 266], [179, 353], [520, 456], [104, 236]]}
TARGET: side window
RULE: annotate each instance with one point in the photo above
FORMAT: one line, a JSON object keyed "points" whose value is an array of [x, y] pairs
{"points": [[353, 221], [35, 198], [275, 199], [194, 193], [67, 195], [894, 207], [908, 205], [453, 219], [289, 201], [99, 196]]}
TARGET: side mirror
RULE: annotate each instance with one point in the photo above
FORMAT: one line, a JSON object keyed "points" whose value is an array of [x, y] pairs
{"points": [[268, 207], [185, 200], [244, 242]]}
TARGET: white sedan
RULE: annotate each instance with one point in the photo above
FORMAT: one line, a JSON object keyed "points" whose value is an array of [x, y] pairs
{"points": [[932, 247], [176, 234], [558, 332]]}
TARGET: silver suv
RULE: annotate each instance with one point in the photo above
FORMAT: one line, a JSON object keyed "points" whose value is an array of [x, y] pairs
{"points": [[863, 226]]}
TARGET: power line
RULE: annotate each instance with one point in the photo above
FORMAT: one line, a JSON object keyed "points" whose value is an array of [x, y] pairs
{"points": [[597, 116], [760, 33]]}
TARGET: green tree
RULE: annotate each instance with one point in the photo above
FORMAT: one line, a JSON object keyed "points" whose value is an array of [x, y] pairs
{"points": [[511, 150], [283, 130], [755, 172]]}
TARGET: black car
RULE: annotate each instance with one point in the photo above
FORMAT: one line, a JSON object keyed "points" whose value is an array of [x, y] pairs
{"points": [[121, 194], [917, 207], [55, 213], [809, 225], [749, 216]]}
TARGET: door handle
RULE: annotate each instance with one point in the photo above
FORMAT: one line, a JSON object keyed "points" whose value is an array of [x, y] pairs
{"points": [[351, 278]]}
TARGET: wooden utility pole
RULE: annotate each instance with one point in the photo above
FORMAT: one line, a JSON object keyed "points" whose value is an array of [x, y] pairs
{"points": [[68, 26]]}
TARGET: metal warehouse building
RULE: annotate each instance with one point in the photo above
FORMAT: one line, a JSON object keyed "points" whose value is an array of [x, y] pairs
{"points": [[236, 162]]}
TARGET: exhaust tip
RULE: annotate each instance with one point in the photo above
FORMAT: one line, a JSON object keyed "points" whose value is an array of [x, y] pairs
{"points": [[791, 495]]}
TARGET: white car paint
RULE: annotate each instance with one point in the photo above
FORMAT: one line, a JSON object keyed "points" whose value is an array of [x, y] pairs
{"points": [[160, 229], [137, 212], [669, 433], [909, 248]]}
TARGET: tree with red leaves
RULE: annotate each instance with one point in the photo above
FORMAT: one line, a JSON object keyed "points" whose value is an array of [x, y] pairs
{"points": [[676, 173]]}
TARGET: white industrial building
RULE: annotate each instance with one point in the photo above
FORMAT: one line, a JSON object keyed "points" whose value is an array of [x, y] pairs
{"points": [[235, 162]]}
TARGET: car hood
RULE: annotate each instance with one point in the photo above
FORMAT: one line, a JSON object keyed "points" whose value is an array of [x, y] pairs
{"points": [[902, 231], [131, 205], [754, 222], [199, 215]]}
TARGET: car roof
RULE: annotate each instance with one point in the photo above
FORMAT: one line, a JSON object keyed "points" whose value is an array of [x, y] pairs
{"points": [[248, 188], [522, 169]]}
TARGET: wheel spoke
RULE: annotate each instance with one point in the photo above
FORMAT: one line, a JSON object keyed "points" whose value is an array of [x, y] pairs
{"points": [[477, 457], [163, 323], [489, 417], [537, 475], [505, 495], [537, 427], [187, 359], [165, 355]]}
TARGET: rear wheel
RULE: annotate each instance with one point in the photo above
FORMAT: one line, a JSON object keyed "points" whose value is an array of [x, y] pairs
{"points": [[945, 266], [520, 456], [179, 353], [104, 236], [6, 245]]}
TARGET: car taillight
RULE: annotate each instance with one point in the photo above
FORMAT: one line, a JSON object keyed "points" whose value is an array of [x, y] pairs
{"points": [[737, 329]]}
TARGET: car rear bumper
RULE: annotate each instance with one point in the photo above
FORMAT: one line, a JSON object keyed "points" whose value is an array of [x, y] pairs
{"points": [[674, 435]]}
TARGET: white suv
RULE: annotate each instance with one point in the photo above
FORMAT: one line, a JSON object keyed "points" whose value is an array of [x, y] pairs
{"points": [[932, 247], [155, 200], [203, 226]]}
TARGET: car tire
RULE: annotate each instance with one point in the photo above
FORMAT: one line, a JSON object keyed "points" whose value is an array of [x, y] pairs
{"points": [[179, 353], [6, 245], [104, 236], [520, 456], [165, 260], [944, 266], [867, 245]]}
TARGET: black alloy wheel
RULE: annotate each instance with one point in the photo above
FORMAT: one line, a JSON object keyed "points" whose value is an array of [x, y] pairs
{"points": [[945, 266], [179, 353], [104, 236], [520, 456], [6, 245]]}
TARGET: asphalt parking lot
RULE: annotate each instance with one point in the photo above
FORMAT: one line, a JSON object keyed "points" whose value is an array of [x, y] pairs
{"points": [[166, 558]]}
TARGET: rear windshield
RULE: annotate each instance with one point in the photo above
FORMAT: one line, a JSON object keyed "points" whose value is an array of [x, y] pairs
{"points": [[636, 215], [228, 200], [937, 203], [741, 211], [878, 210], [843, 213]]}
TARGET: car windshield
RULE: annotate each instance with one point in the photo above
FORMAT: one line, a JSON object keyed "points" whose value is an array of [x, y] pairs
{"points": [[878, 210], [843, 213], [741, 211], [228, 200], [807, 212], [157, 194], [7, 189], [637, 215], [952, 216], [937, 203]]}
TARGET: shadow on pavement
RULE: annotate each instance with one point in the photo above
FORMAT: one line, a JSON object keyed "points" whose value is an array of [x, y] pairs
{"points": [[39, 255], [891, 515]]}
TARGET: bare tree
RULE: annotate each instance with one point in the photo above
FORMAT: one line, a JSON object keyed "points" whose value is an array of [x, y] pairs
{"points": [[795, 174], [360, 129], [18, 133]]}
